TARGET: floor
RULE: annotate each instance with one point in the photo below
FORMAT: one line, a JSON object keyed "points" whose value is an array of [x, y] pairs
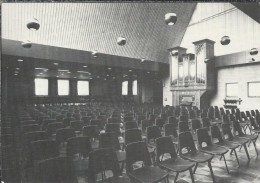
{"points": [[246, 173]]}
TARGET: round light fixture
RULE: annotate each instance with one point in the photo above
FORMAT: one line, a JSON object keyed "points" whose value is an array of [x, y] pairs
{"points": [[109, 68], [85, 66], [170, 18], [33, 24], [94, 53], [253, 51], [225, 40], [27, 44], [206, 60], [121, 41], [19, 60]]}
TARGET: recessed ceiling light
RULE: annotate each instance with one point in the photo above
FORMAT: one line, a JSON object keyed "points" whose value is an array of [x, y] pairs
{"points": [[98, 76], [41, 73], [56, 63], [109, 68], [75, 77], [19, 60], [41, 68], [84, 72], [63, 70], [107, 74], [105, 79], [148, 72], [85, 66], [17, 68], [114, 77], [130, 70], [68, 72]]}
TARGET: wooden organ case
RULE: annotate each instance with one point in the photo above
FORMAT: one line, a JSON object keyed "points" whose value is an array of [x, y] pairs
{"points": [[193, 79]]}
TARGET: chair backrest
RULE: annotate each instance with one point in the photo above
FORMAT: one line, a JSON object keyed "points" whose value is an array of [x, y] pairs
{"points": [[183, 126], [159, 122], [195, 124], [192, 114], [102, 160], [184, 118], [53, 127], [137, 151], [46, 122], [86, 120], [248, 114], [153, 132], [91, 131], [225, 119], [170, 129], [140, 118], [253, 123], [226, 130], [130, 125], [113, 120], [164, 145], [203, 136], [67, 121], [109, 140], [186, 141], [146, 123], [113, 127], [79, 145], [63, 134], [128, 118], [257, 119], [98, 123], [252, 112], [173, 120], [77, 125], [58, 170], [215, 133], [44, 149], [257, 112], [205, 122], [237, 128], [133, 135]]}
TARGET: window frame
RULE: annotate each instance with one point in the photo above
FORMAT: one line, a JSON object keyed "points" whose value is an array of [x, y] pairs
{"points": [[88, 88], [48, 84], [248, 83], [126, 89], [58, 87], [136, 87]]}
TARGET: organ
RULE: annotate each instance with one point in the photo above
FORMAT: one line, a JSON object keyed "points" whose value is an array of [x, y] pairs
{"points": [[192, 79]]}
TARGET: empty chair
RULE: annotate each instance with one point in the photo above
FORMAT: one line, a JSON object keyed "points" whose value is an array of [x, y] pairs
{"points": [[159, 122], [98, 123], [146, 123], [184, 118], [137, 151], [257, 112], [183, 127], [238, 132], [77, 116], [230, 137], [63, 134], [79, 145], [59, 118], [195, 124], [205, 122], [133, 135], [55, 170], [192, 114], [102, 160], [254, 125], [67, 121], [248, 114], [194, 155], [253, 113], [86, 120], [128, 118], [153, 132], [53, 127], [130, 125], [46, 122], [152, 117], [173, 119], [77, 125], [91, 131], [210, 148], [216, 135], [174, 163], [140, 118]]}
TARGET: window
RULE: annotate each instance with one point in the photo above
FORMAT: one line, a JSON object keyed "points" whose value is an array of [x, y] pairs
{"points": [[232, 89], [41, 86], [83, 87], [254, 89], [63, 87], [134, 87], [124, 87]]}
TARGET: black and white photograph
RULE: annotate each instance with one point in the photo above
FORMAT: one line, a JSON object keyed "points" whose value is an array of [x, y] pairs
{"points": [[130, 91]]}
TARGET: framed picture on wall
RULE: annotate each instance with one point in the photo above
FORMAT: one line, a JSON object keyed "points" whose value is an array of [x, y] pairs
{"points": [[253, 89], [231, 89]]}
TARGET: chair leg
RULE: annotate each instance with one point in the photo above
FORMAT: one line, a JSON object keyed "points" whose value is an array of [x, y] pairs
{"points": [[247, 154], [225, 163], [191, 176], [231, 151], [211, 171], [255, 147], [176, 177], [195, 168], [240, 148], [237, 158]]}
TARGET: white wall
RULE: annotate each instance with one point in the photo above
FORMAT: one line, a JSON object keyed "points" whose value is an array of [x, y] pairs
{"points": [[214, 20], [241, 75]]}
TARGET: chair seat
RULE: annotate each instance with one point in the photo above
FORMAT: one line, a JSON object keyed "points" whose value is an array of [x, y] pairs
{"points": [[121, 156], [177, 165], [230, 145], [215, 150], [199, 157], [251, 137], [148, 174], [240, 140], [118, 180]]}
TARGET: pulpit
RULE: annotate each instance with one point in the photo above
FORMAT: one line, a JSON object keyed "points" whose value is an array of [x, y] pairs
{"points": [[192, 75]]}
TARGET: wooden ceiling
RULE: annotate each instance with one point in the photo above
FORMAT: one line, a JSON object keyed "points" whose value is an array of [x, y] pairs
{"points": [[96, 26]]}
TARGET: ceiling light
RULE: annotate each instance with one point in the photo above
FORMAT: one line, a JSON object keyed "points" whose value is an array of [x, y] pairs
{"points": [[225, 40], [105, 79], [68, 72], [130, 70], [41, 73], [85, 66], [98, 76], [75, 77], [170, 18], [27, 44], [107, 74], [41, 68], [17, 68], [19, 60], [94, 53], [84, 72], [56, 63], [114, 77], [109, 68], [63, 70], [253, 51], [121, 41], [33, 24], [148, 72]]}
